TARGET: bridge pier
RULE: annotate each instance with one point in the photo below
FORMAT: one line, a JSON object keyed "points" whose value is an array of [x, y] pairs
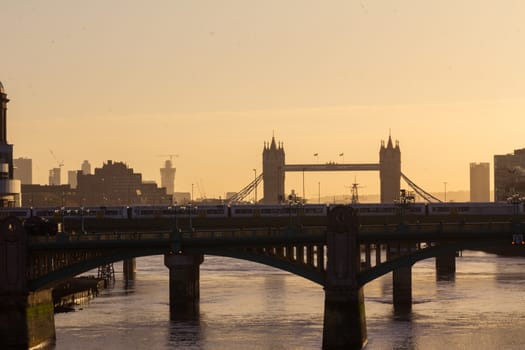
{"points": [[344, 309], [446, 266], [26, 318], [184, 285], [402, 289], [129, 269], [401, 279]]}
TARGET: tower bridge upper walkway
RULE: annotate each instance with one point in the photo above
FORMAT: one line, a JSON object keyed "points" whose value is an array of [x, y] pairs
{"points": [[332, 167]]}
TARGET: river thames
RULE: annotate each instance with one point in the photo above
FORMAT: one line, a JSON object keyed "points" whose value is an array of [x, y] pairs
{"points": [[250, 306]]}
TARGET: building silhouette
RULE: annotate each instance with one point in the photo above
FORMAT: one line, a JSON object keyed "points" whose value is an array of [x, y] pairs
{"points": [[509, 175], [49, 196], [54, 177], [273, 172], [86, 168], [479, 182], [113, 184], [72, 178], [390, 171], [116, 184], [23, 170], [167, 177], [9, 187], [182, 198]]}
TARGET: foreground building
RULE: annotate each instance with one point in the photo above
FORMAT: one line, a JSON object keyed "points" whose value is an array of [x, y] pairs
{"points": [[509, 175], [9, 187]]}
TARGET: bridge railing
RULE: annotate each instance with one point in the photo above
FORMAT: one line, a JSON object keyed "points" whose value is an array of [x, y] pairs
{"points": [[433, 227], [170, 235]]}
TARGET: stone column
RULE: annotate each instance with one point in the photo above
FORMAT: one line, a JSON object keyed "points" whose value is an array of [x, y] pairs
{"points": [[446, 266], [401, 278], [129, 269], [26, 318], [184, 285], [344, 309], [402, 288]]}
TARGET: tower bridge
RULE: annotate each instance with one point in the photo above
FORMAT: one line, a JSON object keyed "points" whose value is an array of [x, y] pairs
{"points": [[275, 167]]}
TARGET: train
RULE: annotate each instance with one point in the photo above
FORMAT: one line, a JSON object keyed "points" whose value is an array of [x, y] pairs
{"points": [[257, 210]]}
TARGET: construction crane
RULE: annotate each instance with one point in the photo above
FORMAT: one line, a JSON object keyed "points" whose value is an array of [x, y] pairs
{"points": [[60, 164]]}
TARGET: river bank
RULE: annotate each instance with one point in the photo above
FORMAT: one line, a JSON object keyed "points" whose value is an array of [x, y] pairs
{"points": [[76, 291]]}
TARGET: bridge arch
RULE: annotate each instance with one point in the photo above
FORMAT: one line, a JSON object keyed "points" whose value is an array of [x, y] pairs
{"points": [[75, 269], [48, 280], [410, 259], [310, 274]]}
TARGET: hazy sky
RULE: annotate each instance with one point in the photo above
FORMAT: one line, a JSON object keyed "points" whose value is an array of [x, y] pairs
{"points": [[212, 80]]}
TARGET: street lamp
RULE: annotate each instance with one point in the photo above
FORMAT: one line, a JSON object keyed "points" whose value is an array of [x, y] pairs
{"points": [[303, 187], [255, 184], [191, 200], [445, 191]]}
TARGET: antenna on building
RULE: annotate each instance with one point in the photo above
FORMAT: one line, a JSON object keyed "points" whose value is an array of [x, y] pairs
{"points": [[171, 155], [354, 191]]}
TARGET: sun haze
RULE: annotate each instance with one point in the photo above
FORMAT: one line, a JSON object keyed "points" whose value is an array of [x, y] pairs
{"points": [[213, 80]]}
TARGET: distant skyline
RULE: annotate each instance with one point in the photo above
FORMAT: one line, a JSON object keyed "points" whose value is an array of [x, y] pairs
{"points": [[211, 81]]}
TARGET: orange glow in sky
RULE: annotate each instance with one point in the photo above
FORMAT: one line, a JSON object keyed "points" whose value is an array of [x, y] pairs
{"points": [[213, 80]]}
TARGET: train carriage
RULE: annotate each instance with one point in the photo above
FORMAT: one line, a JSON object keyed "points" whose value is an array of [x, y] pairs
{"points": [[152, 212], [46, 213], [278, 210], [20, 213], [376, 209], [110, 212], [212, 211], [467, 208]]}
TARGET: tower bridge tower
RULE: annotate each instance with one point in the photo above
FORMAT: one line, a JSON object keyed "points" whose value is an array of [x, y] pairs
{"points": [[273, 172], [390, 171]]}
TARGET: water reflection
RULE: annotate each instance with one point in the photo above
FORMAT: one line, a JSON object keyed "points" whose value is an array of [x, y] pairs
{"points": [[250, 306], [185, 335]]}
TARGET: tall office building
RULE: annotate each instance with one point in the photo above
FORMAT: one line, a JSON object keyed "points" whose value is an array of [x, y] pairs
{"points": [[86, 168], [479, 182], [54, 177], [509, 175], [23, 170], [167, 177], [9, 187], [72, 178]]}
